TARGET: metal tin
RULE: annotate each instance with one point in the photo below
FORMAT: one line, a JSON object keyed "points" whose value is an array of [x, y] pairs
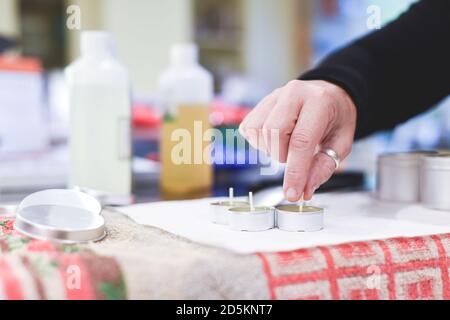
{"points": [[398, 176], [297, 218], [219, 210], [246, 219], [435, 182], [65, 216]]}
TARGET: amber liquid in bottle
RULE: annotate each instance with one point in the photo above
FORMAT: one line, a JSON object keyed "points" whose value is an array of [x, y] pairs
{"points": [[185, 139]]}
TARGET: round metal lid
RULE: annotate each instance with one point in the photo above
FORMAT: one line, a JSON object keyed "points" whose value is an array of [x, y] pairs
{"points": [[403, 159], [438, 162], [65, 216]]}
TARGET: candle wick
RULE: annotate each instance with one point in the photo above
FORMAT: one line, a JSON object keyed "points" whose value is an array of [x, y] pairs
{"points": [[302, 203]]}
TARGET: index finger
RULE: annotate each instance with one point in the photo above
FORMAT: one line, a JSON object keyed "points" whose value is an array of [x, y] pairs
{"points": [[307, 134], [251, 127], [255, 119]]}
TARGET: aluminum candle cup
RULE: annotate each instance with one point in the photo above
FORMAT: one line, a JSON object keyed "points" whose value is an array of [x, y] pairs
{"points": [[398, 176], [245, 219], [219, 210], [297, 218], [435, 182]]}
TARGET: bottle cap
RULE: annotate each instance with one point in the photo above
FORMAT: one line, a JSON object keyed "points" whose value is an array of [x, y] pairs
{"points": [[183, 54], [97, 43]]}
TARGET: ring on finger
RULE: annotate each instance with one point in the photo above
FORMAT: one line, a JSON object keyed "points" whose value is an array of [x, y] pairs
{"points": [[333, 155]]}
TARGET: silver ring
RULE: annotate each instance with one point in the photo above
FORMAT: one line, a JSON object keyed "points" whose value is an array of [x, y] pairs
{"points": [[333, 155]]}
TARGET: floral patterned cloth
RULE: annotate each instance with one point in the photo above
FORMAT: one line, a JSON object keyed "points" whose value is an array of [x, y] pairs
{"points": [[138, 262], [36, 269]]}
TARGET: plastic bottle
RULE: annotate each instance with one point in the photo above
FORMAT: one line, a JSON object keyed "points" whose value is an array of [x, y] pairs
{"points": [[100, 118], [186, 90]]}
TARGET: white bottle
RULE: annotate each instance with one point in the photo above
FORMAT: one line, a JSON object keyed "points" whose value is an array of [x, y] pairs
{"points": [[100, 118], [185, 82], [186, 90]]}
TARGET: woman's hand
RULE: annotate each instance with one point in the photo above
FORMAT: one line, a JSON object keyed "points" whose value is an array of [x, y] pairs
{"points": [[302, 116]]}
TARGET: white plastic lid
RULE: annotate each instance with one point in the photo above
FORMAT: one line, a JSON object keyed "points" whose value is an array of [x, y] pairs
{"points": [[97, 43], [183, 54]]}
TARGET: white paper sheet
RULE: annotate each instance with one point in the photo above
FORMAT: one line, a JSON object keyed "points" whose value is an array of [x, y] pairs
{"points": [[348, 217]]}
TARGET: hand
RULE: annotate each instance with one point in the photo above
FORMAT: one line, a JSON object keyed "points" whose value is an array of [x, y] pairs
{"points": [[305, 115]]}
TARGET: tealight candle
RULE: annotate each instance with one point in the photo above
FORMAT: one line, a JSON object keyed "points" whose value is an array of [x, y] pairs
{"points": [[219, 210], [251, 218], [298, 218]]}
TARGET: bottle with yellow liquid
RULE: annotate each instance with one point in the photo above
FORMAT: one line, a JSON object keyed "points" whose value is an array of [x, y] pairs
{"points": [[186, 91]]}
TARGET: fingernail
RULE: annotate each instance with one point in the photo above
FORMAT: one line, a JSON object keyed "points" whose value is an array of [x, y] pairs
{"points": [[292, 194]]}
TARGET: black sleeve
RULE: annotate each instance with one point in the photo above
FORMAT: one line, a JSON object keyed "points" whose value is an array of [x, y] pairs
{"points": [[397, 72]]}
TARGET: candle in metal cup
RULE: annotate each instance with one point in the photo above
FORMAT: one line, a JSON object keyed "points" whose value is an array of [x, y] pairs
{"points": [[298, 218], [251, 218], [219, 210]]}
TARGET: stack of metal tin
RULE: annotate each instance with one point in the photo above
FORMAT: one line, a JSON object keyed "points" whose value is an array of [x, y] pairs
{"points": [[421, 176]]}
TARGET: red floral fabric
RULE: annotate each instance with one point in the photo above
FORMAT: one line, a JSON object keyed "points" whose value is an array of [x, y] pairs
{"points": [[36, 269]]}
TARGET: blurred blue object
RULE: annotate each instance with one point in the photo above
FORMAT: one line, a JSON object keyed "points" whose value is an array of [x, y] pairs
{"points": [[233, 155], [6, 43]]}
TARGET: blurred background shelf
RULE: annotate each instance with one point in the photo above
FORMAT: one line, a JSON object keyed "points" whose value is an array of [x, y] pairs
{"points": [[251, 47]]}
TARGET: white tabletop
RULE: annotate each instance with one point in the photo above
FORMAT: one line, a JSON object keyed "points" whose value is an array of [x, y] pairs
{"points": [[348, 217]]}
